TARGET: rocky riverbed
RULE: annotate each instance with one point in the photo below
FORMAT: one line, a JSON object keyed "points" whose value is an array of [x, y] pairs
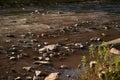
{"points": [[37, 43]]}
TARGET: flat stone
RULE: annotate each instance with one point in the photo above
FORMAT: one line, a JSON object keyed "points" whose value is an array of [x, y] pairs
{"points": [[52, 76], [48, 48], [18, 78], [27, 68], [12, 58], [41, 62], [115, 51], [28, 78]]}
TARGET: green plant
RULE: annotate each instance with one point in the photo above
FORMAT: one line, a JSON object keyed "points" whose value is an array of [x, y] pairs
{"points": [[84, 61], [107, 67]]}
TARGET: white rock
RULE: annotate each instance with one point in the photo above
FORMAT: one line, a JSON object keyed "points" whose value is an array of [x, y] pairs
{"points": [[40, 58], [18, 78], [12, 58], [37, 73], [63, 66], [47, 59], [28, 78], [27, 68], [36, 78], [92, 64], [52, 76], [41, 62], [48, 48], [114, 51]]}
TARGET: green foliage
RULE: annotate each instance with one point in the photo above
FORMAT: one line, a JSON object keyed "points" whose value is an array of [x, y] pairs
{"points": [[107, 67], [84, 61]]}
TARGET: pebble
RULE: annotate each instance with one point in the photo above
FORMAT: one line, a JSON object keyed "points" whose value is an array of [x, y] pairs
{"points": [[18, 78], [41, 62], [27, 68], [28, 78], [12, 58], [47, 59], [36, 78], [64, 67], [38, 73], [8, 41]]}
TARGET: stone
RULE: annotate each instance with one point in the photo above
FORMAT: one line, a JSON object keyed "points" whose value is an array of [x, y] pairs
{"points": [[12, 58], [42, 62], [40, 58], [115, 51], [18, 78], [52, 76], [36, 78], [47, 59], [28, 78], [8, 41], [64, 67], [48, 48], [27, 68], [38, 73], [92, 64]]}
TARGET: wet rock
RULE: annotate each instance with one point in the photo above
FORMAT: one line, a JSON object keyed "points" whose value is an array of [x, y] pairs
{"points": [[106, 27], [34, 40], [45, 55], [24, 54], [8, 41], [43, 35], [27, 68], [115, 51], [95, 39], [41, 62], [38, 45], [64, 67], [48, 48], [79, 45], [18, 78], [28, 78], [38, 73], [46, 43], [36, 78], [12, 58], [40, 58], [67, 75], [52, 76], [47, 59]]}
